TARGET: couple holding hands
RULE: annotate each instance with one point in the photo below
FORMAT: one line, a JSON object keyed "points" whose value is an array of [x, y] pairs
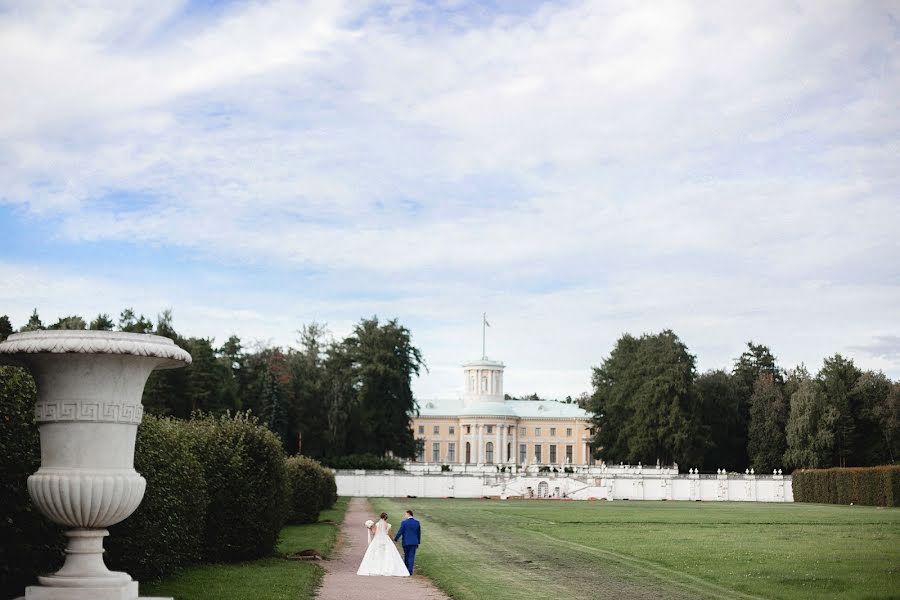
{"points": [[382, 556]]}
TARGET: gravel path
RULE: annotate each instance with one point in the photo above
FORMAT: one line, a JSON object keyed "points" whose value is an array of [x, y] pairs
{"points": [[341, 581]]}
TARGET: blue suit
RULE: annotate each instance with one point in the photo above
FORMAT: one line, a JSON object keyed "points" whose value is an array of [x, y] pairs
{"points": [[411, 532]]}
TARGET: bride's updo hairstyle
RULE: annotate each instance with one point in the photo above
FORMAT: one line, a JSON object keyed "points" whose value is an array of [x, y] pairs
{"points": [[384, 516]]}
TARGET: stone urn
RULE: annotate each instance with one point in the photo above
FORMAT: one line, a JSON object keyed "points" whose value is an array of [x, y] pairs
{"points": [[89, 388]]}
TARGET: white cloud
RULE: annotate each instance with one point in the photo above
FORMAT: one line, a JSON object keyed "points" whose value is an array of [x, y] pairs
{"points": [[725, 170]]}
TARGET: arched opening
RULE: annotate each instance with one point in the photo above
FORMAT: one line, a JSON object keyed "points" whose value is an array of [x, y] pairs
{"points": [[543, 489], [468, 453], [508, 451], [489, 453]]}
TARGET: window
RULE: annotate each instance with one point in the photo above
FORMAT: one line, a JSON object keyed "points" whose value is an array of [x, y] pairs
{"points": [[523, 453], [472, 383], [420, 452], [568, 432], [468, 429], [509, 430], [484, 383], [552, 432], [489, 453], [552, 454], [537, 454], [522, 431], [490, 429], [437, 430], [452, 429], [569, 458], [436, 452], [468, 453], [537, 432], [421, 430], [508, 452], [451, 452]]}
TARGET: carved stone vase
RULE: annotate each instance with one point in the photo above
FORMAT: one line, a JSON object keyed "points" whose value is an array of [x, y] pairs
{"points": [[89, 388]]}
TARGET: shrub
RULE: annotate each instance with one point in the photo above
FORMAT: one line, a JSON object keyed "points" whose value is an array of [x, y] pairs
{"points": [[246, 480], [872, 486], [166, 531], [307, 489], [331, 496], [32, 544], [365, 461]]}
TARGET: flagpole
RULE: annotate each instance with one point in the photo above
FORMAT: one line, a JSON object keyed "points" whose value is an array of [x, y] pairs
{"points": [[483, 330]]}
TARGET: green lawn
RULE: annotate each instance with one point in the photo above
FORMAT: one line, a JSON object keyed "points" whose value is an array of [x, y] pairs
{"points": [[273, 578], [484, 549]]}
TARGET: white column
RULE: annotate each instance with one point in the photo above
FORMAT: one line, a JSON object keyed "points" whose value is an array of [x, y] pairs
{"points": [[478, 444], [515, 448], [497, 454]]}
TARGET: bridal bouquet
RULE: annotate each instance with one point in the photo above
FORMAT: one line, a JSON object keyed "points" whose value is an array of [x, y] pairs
{"points": [[369, 523]]}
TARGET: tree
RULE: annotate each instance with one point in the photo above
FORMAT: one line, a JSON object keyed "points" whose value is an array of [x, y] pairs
{"points": [[768, 415], [128, 322], [6, 328], [309, 417], [724, 440], [102, 322], [837, 378], [869, 399], [753, 362], [34, 322], [809, 432], [644, 402], [70, 322]]}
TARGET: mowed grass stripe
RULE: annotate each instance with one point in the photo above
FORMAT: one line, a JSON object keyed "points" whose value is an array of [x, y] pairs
{"points": [[659, 550]]}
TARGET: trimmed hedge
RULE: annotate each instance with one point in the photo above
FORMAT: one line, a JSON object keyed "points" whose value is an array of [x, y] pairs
{"points": [[165, 533], [365, 461], [870, 486], [331, 495], [31, 544], [307, 489], [246, 480]]}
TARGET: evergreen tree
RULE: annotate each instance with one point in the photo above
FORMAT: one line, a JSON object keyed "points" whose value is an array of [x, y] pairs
{"points": [[837, 379], [102, 322], [725, 442], [756, 360], [768, 415], [6, 328], [34, 323], [70, 322], [868, 400]]}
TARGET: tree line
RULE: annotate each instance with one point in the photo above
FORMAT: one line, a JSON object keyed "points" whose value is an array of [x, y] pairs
{"points": [[650, 404], [326, 398]]}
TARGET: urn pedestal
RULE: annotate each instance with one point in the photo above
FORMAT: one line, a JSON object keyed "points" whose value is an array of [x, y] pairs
{"points": [[89, 388]]}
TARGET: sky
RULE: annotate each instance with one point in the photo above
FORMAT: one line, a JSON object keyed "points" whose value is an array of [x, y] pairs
{"points": [[576, 170]]}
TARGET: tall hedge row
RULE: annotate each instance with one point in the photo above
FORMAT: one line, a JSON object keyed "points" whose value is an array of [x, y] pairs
{"points": [[312, 489], [246, 480], [166, 531], [217, 489], [871, 486]]}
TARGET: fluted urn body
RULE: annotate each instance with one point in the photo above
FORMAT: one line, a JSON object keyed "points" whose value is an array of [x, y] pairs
{"points": [[89, 388]]}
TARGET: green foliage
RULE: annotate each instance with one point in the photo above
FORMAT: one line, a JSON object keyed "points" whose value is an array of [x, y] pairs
{"points": [[31, 542], [34, 322], [246, 482], [870, 486], [70, 322], [306, 478], [102, 322], [364, 461], [166, 531], [6, 328], [129, 322], [837, 378], [644, 401], [768, 415], [723, 434], [809, 432]]}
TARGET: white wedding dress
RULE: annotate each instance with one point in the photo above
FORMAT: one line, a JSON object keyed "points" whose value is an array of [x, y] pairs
{"points": [[382, 557]]}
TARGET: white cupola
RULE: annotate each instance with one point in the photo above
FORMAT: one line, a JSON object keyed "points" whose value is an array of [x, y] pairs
{"points": [[484, 381]]}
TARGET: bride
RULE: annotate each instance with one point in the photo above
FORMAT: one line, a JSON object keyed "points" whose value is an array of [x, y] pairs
{"points": [[382, 557]]}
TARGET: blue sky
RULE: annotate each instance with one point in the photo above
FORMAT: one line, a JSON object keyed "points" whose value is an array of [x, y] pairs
{"points": [[576, 170]]}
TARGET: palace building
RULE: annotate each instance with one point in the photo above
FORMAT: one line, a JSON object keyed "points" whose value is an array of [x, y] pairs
{"points": [[482, 428]]}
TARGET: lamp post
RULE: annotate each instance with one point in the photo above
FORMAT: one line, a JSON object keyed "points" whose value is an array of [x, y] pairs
{"points": [[89, 388]]}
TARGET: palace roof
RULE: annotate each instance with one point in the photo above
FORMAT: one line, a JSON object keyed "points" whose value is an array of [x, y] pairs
{"points": [[531, 409]]}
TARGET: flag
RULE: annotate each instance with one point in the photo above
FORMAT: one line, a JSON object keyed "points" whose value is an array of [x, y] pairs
{"points": [[486, 321]]}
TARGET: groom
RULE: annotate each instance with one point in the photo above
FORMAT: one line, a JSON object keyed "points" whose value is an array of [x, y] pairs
{"points": [[411, 532]]}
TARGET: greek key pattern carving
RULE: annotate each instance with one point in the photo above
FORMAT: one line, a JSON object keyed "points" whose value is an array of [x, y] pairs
{"points": [[93, 342], [102, 412]]}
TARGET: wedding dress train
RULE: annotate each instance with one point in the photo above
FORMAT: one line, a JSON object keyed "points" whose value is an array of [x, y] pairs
{"points": [[382, 557]]}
